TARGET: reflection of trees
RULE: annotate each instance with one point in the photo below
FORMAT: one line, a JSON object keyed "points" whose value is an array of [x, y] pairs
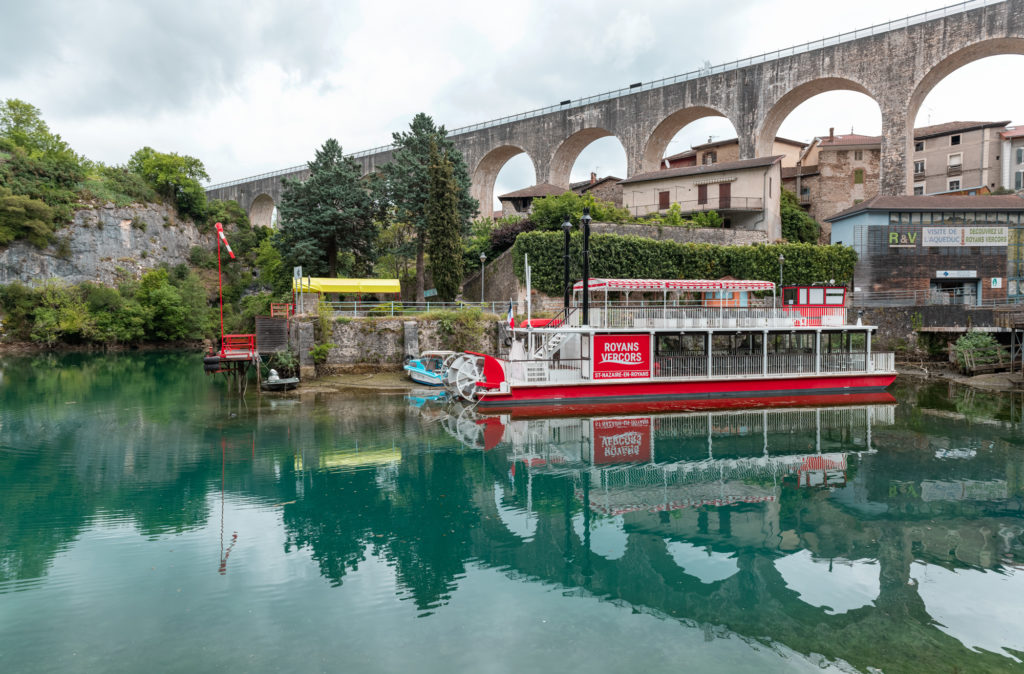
{"points": [[336, 519], [431, 526]]}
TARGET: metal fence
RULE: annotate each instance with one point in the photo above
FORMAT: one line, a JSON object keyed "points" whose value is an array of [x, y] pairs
{"points": [[398, 309], [671, 317]]}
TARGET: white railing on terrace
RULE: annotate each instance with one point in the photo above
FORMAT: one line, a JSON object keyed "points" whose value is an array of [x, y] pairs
{"points": [[669, 317], [906, 298], [695, 366], [876, 29], [360, 309], [689, 206]]}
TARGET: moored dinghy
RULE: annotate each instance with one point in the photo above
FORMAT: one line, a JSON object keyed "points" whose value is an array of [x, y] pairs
{"points": [[429, 369]]}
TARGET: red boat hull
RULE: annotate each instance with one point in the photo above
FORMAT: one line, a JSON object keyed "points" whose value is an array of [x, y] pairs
{"points": [[726, 392]]}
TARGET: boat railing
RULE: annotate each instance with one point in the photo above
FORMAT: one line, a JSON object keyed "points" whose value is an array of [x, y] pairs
{"points": [[671, 317], [883, 361], [697, 366]]}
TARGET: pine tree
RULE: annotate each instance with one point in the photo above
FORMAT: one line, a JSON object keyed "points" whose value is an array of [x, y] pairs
{"points": [[406, 182], [328, 214], [444, 233]]}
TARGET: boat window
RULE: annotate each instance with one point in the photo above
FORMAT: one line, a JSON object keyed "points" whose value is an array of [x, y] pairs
{"points": [[803, 296], [834, 296], [668, 344], [817, 296], [692, 343], [858, 342], [742, 343], [835, 342], [789, 295]]}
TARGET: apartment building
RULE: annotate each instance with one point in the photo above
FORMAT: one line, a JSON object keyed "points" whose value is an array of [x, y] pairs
{"points": [[728, 150], [744, 192], [1012, 158], [957, 156]]}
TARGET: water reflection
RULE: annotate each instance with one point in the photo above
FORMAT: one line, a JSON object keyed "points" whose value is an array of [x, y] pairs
{"points": [[883, 534]]}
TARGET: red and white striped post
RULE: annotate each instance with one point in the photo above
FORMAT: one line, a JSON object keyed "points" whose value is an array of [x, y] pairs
{"points": [[220, 281]]}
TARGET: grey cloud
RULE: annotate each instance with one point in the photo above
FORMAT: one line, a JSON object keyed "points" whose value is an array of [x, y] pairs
{"points": [[146, 58]]}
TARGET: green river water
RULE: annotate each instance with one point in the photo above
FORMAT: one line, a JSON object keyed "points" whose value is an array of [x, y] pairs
{"points": [[150, 521]]}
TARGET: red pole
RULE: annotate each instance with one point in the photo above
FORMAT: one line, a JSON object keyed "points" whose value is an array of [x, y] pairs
{"points": [[220, 290]]}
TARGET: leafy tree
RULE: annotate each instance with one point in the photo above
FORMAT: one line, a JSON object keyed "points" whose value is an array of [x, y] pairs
{"points": [[708, 219], [175, 177], [406, 181], [326, 215], [444, 238], [22, 124], [797, 225], [548, 213], [22, 216]]}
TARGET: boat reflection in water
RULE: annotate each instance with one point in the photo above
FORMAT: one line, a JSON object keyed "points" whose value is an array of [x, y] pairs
{"points": [[794, 510]]}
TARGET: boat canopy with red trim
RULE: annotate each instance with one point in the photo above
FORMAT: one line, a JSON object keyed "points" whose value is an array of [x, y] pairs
{"points": [[681, 285]]}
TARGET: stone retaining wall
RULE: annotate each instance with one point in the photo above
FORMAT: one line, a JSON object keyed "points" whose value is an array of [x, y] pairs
{"points": [[376, 344]]}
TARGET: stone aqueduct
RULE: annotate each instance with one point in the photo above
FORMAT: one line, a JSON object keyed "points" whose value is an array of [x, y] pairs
{"points": [[896, 64]]}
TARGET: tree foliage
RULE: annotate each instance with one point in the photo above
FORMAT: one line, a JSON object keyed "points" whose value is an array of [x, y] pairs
{"points": [[22, 217], [405, 183], [175, 177], [328, 214], [444, 239], [164, 305], [797, 225], [548, 213], [613, 256]]}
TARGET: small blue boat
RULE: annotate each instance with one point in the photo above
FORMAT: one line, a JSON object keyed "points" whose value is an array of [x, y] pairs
{"points": [[430, 368]]}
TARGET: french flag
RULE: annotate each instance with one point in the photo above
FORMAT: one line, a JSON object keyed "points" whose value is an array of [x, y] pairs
{"points": [[511, 318]]}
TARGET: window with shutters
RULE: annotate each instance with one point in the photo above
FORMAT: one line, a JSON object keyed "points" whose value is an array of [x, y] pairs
{"points": [[702, 194], [663, 200], [858, 176]]}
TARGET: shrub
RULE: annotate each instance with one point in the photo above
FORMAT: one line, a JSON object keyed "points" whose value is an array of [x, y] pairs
{"points": [[548, 213], [319, 352], [613, 256]]}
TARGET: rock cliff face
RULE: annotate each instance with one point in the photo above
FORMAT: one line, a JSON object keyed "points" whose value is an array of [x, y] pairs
{"points": [[101, 242]]}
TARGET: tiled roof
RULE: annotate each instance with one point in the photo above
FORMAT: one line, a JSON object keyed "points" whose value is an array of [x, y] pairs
{"points": [[704, 169], [994, 202], [586, 184], [541, 190], [727, 141], [849, 139], [1013, 132], [923, 132], [792, 171], [680, 155]]}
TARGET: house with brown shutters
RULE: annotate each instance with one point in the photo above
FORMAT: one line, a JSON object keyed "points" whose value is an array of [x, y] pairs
{"points": [[745, 192]]}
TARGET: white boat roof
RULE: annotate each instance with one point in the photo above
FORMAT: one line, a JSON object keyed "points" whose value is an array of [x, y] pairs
{"points": [[691, 285]]}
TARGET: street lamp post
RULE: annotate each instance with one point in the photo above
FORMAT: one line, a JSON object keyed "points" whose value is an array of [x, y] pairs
{"points": [[483, 258], [782, 259], [585, 221], [567, 289]]}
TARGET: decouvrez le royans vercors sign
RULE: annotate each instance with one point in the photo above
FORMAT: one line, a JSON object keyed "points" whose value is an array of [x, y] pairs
{"points": [[964, 236]]}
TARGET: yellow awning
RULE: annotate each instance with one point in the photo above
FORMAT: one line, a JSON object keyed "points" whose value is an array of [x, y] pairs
{"points": [[346, 285]]}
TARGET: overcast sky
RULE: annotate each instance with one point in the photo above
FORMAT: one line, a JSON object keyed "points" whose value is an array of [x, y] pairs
{"points": [[254, 86]]}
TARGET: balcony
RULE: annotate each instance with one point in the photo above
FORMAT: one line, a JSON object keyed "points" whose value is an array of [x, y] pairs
{"points": [[954, 169], [918, 176], [713, 203]]}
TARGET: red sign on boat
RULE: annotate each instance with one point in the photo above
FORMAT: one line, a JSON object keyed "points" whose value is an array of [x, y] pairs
{"points": [[622, 440], [622, 356]]}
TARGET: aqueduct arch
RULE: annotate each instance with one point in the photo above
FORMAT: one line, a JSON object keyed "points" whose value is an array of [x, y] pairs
{"points": [[568, 150], [657, 142], [486, 173], [777, 114], [261, 212]]}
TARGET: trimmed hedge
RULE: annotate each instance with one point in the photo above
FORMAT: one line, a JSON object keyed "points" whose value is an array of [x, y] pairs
{"points": [[614, 256]]}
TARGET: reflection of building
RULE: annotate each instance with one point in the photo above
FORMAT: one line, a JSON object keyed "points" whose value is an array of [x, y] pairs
{"points": [[937, 249], [744, 192]]}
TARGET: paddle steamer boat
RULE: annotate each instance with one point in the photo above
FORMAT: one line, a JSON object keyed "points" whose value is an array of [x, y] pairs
{"points": [[734, 342]]}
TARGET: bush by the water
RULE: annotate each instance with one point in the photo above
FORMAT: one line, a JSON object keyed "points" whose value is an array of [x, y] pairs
{"points": [[163, 305], [613, 256], [976, 348]]}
